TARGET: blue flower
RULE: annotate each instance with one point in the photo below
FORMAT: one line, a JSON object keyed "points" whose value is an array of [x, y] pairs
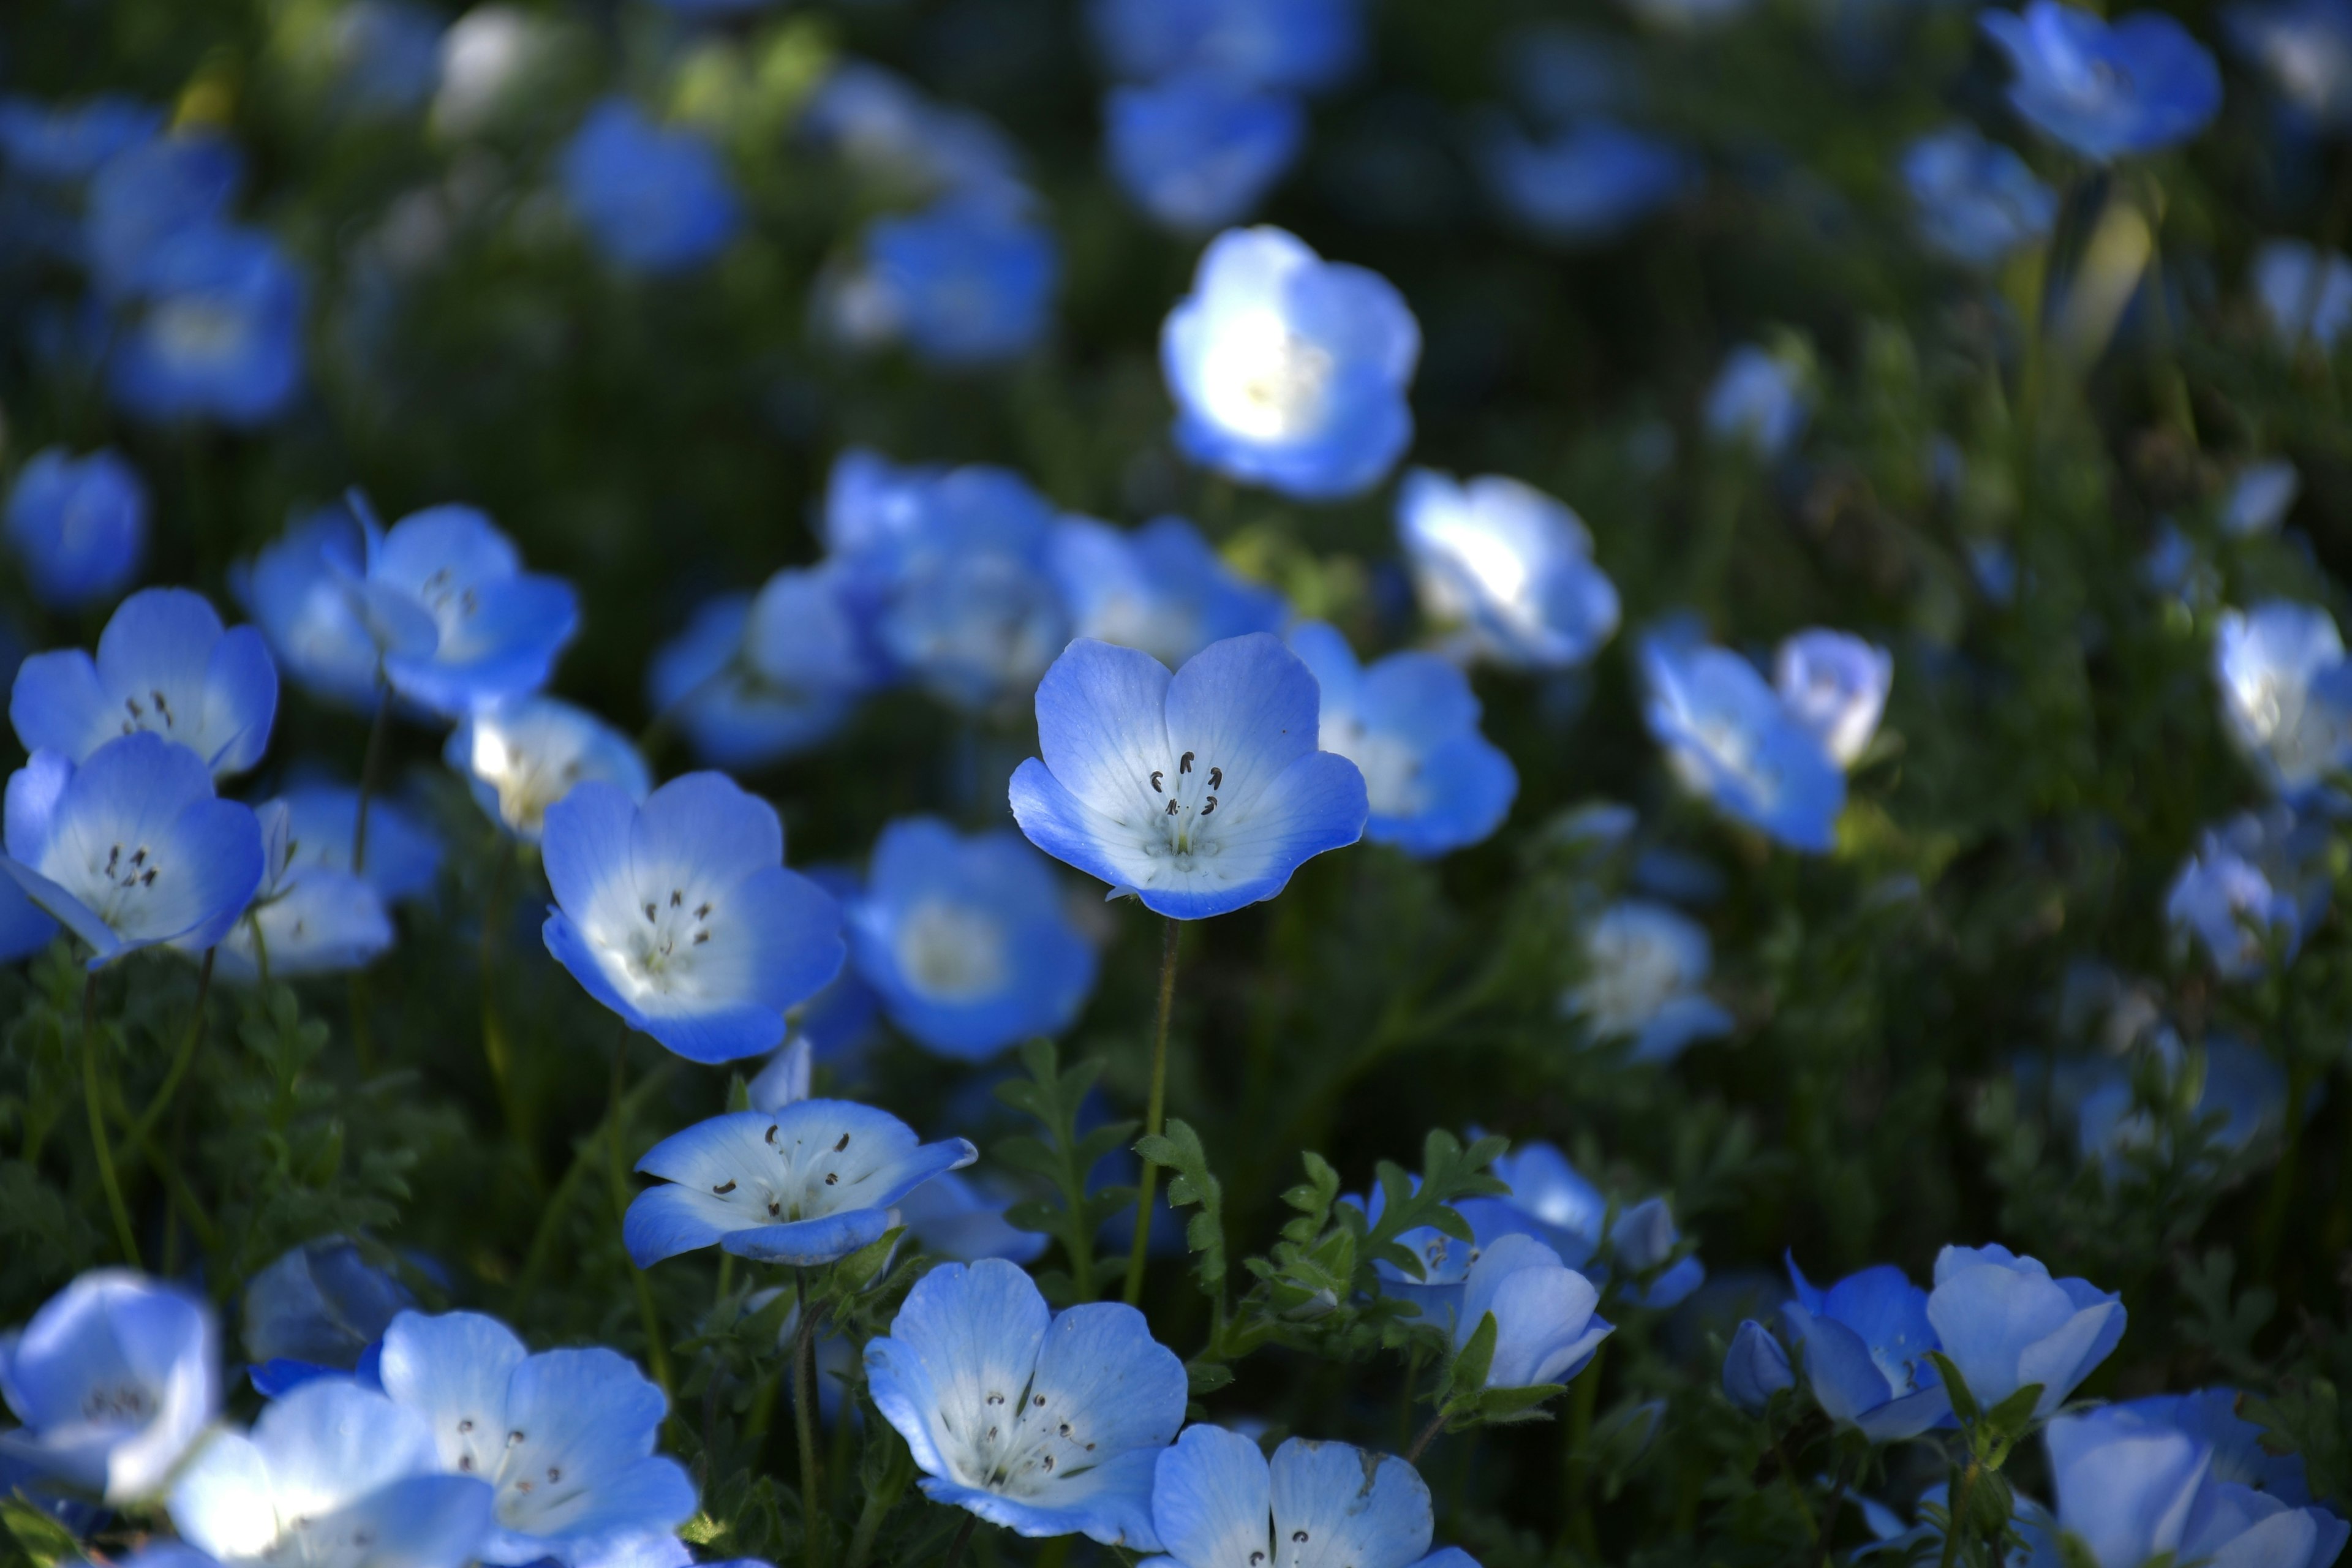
{"points": [[2105, 89], [79, 525], [2006, 1323], [215, 330], [1584, 185], [521, 757], [679, 916], [1409, 723], [1290, 370], [1546, 1328], [2258, 879], [1305, 45], [386, 55], [2308, 296], [968, 281], [2209, 1415], [1755, 1368], [1729, 737], [1973, 200], [1862, 1344], [1217, 1501], [63, 142], [306, 918], [1509, 564], [654, 199], [2259, 498], [404, 857], [1757, 403], [129, 848], [2241, 1085], [966, 940], [2286, 692], [1161, 588], [883, 124], [2126, 1485], [150, 195], [2305, 48], [959, 1218], [753, 679], [1834, 684], [319, 1309], [165, 666], [564, 1438], [1046, 1423], [804, 1184], [1198, 150], [115, 1379], [332, 1473], [1645, 965], [1199, 792]]}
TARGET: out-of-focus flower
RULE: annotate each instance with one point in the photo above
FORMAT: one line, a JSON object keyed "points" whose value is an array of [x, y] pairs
{"points": [[2005, 1323], [1864, 1344], [2210, 1416], [1585, 184], [79, 525], [754, 679], [1643, 967], [963, 1220], [2307, 298], [521, 757], [2240, 1084], [968, 281], [1546, 1328], [306, 918], [884, 126], [1729, 738], [2260, 498], [1290, 370], [1835, 685], [1755, 1368], [1198, 151], [2256, 881], [320, 1308], [654, 198], [150, 195], [1757, 403], [1509, 565], [2134, 1483], [1161, 588], [66, 141], [2304, 46], [165, 665], [1687, 15], [115, 1379], [2286, 692], [1973, 200], [386, 55], [404, 856], [489, 57], [1305, 45], [213, 329], [2105, 89]]}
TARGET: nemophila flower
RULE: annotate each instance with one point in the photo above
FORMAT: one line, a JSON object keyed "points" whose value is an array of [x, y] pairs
{"points": [[2240, 1091], [1584, 185], [129, 848], [1729, 738], [115, 1379], [654, 198], [2210, 1416], [439, 607], [321, 1308], [1835, 685], [1305, 45], [66, 141], [957, 1217], [166, 665], [1972, 200], [1198, 150], [2105, 89], [1645, 965], [1217, 1500], [2254, 885], [332, 1473], [1198, 793], [2307, 297], [679, 916], [966, 940], [214, 330], [885, 127], [565, 1438], [1507, 563], [404, 856], [1757, 403], [1161, 588], [521, 757], [1290, 370], [1863, 1346], [2124, 1485], [386, 55], [150, 195], [968, 281], [77, 525], [756, 678], [1755, 1368], [2304, 46], [2260, 498], [1551, 1200], [306, 918], [2006, 1323], [1546, 1328], [1047, 1423], [803, 1184], [490, 58], [1409, 723], [2287, 692]]}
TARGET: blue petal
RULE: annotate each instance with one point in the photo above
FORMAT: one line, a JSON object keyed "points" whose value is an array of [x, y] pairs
{"points": [[664, 1221], [810, 1242], [570, 950], [1248, 705], [1211, 1496], [57, 704], [705, 822], [1364, 1510], [1102, 727], [964, 1331]]}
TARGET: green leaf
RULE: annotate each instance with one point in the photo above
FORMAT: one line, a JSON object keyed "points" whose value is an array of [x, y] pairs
{"points": [[2012, 1416], [1472, 1363], [1193, 1184], [1207, 1376], [1062, 1157], [1964, 1403], [857, 1271], [39, 1538], [1502, 1406]]}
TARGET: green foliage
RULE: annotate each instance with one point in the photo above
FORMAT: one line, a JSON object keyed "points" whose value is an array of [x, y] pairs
{"points": [[1063, 1157]]}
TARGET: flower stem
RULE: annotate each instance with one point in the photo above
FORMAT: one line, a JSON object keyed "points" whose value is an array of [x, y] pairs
{"points": [[1428, 1435], [1155, 1110], [962, 1535], [1580, 1402], [878, 1504], [812, 1520], [370, 769], [144, 1127], [99, 1142], [1957, 1514], [617, 1170]]}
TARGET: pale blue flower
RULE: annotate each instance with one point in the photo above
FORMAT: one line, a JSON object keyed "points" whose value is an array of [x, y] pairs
{"points": [[321, 1308], [77, 524], [306, 918], [2286, 692], [756, 678], [960, 1218], [654, 199], [1198, 793], [1198, 150], [1645, 967], [1217, 1501], [1755, 1368], [331, 1473], [1305, 45], [1585, 184], [968, 281], [1161, 588], [149, 195], [1509, 564], [67, 141], [1835, 685], [2256, 881], [522, 756], [403, 855], [1546, 1328], [131, 850], [2209, 1415], [1290, 370], [387, 55], [2240, 1085], [2125, 1484], [2305, 296], [805, 1183], [1973, 200], [679, 916], [2304, 46], [1757, 403], [1046, 1423], [1730, 739], [2260, 498], [564, 1438], [2105, 89], [1862, 1345], [1409, 723], [115, 1379], [213, 329], [166, 665], [2006, 1323], [966, 940], [882, 124]]}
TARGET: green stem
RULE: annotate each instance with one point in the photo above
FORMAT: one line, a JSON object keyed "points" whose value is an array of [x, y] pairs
{"points": [[617, 1169], [144, 1128], [99, 1142], [1155, 1112], [1428, 1435], [962, 1535], [2281, 1197], [813, 1513], [558, 1202], [1957, 1513], [1581, 1403], [878, 1504], [497, 1051]]}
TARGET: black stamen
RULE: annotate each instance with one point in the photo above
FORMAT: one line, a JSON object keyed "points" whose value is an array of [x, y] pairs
{"points": [[1155, 784], [1172, 808], [1185, 764], [1216, 778], [730, 1187], [1210, 806], [838, 1148]]}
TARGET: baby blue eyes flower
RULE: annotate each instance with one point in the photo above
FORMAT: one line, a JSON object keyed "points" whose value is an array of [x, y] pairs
{"points": [[2259, 879], [958, 1219], [1161, 588], [215, 330], [320, 1308], [331, 1473], [306, 918], [2259, 498], [2125, 1487], [115, 1379], [1546, 1328], [884, 126], [2006, 1323], [966, 940], [1409, 723], [1729, 738], [1199, 793], [1508, 565], [79, 525], [1757, 403], [804, 1184], [2105, 89], [1046, 1423], [521, 757], [1644, 964], [1755, 1368], [131, 850], [1863, 1345], [2306, 296], [1290, 370], [404, 857], [757, 679], [2241, 1086], [1218, 1502], [1584, 185], [1302, 45], [165, 666], [1972, 200], [654, 200], [969, 281], [679, 916], [2304, 46], [2286, 692], [564, 1438], [1835, 685], [1199, 150], [63, 142], [152, 194]]}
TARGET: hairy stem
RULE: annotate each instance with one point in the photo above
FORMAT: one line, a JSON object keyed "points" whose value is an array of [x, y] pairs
{"points": [[813, 1513], [1155, 1112], [1428, 1435], [617, 1171]]}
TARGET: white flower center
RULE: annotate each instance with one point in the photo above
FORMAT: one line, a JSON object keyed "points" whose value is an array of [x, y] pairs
{"points": [[1265, 382], [952, 952], [119, 887], [1017, 1444], [195, 330], [654, 952], [526, 783], [1632, 974], [1187, 798]]}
